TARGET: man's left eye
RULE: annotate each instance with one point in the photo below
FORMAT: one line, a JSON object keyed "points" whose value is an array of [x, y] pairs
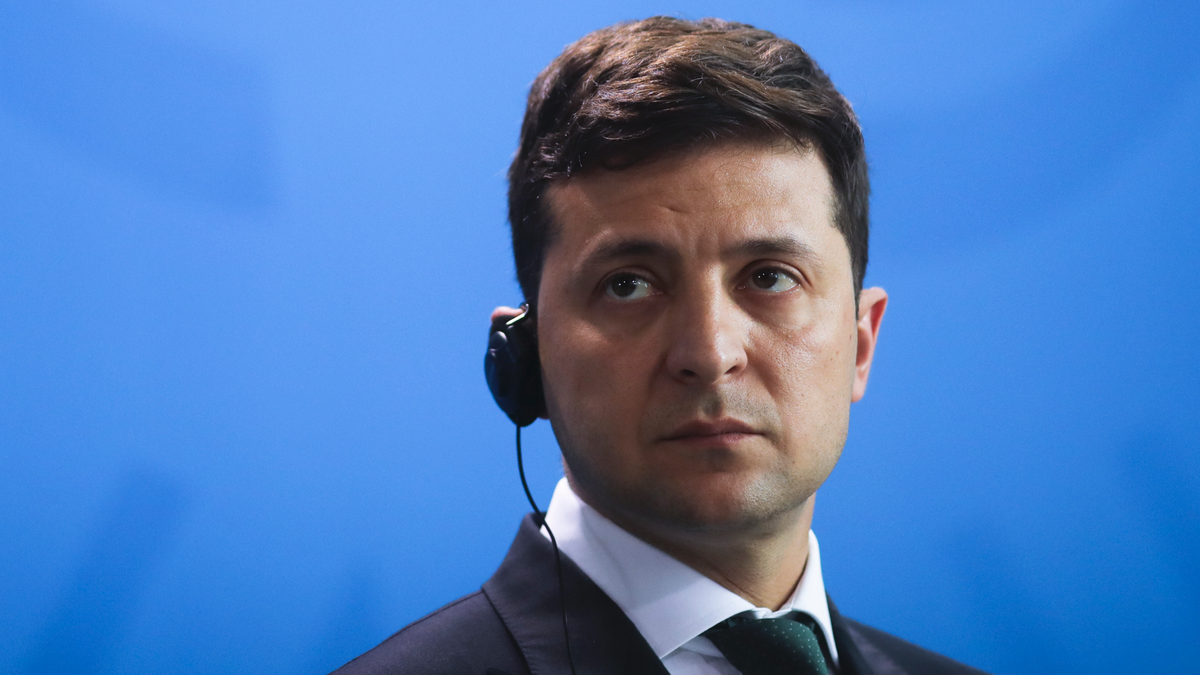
{"points": [[773, 279]]}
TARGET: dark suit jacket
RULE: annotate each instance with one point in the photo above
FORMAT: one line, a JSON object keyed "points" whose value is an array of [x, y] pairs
{"points": [[513, 626]]}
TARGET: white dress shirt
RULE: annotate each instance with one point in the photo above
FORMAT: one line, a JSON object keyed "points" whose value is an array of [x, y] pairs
{"points": [[670, 603]]}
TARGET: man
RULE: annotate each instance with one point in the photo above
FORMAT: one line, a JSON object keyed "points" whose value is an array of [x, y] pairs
{"points": [[689, 216]]}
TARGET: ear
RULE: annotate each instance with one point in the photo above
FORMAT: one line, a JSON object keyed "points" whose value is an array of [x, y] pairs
{"points": [[871, 304], [505, 313]]}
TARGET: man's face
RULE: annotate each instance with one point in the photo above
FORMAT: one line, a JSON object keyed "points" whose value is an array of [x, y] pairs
{"points": [[698, 337]]}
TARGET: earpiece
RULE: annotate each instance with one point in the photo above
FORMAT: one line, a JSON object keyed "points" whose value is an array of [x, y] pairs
{"points": [[512, 368], [514, 375]]}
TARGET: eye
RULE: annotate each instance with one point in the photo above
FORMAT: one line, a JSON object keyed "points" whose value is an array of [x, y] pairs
{"points": [[627, 287], [773, 280]]}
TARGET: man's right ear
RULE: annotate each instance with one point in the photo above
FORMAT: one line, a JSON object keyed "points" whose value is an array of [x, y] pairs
{"points": [[512, 366]]}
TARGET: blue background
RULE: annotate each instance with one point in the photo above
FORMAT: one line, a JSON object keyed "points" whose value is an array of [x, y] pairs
{"points": [[248, 250]]}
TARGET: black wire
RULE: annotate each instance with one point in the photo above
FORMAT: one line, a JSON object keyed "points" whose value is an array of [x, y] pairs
{"points": [[541, 520]]}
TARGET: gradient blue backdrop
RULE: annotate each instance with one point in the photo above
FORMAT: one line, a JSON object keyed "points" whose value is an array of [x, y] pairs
{"points": [[248, 250]]}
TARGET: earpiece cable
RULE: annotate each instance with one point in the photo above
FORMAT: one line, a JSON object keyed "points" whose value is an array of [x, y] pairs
{"points": [[541, 520]]}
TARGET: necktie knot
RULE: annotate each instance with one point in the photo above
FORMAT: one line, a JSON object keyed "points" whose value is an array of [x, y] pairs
{"points": [[777, 646]]}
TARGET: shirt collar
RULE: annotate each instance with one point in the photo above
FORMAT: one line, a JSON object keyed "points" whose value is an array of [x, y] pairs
{"points": [[670, 603]]}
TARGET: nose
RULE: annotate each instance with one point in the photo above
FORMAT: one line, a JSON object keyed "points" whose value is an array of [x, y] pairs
{"points": [[707, 343]]}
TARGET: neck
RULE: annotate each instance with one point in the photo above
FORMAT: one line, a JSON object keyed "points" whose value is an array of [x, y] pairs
{"points": [[763, 565]]}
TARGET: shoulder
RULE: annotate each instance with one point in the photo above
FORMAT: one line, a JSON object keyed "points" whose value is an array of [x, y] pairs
{"points": [[889, 654], [466, 637]]}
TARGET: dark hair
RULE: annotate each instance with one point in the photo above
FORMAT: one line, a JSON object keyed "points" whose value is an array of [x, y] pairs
{"points": [[633, 91]]}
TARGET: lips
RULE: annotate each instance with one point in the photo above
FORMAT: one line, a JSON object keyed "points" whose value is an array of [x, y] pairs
{"points": [[716, 430]]}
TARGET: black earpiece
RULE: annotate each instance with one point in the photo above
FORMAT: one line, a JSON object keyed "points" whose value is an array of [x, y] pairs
{"points": [[514, 375], [512, 368]]}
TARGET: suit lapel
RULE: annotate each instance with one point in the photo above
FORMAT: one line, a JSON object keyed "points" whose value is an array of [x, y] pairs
{"points": [[524, 592], [850, 658], [857, 654]]}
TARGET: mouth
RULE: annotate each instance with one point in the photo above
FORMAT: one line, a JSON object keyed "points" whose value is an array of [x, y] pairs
{"points": [[721, 432]]}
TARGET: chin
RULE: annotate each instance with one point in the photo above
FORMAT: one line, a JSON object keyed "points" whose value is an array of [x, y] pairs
{"points": [[716, 503]]}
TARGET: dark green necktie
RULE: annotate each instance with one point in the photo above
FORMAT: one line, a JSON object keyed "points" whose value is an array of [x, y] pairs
{"points": [[782, 646]]}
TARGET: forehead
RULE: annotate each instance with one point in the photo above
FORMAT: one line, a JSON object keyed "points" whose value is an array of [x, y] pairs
{"points": [[703, 199]]}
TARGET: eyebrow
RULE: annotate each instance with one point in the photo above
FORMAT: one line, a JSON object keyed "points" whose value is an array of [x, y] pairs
{"points": [[644, 248], [628, 248], [785, 246]]}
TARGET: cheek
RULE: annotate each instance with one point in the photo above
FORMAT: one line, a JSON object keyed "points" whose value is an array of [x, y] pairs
{"points": [[813, 378], [592, 382]]}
